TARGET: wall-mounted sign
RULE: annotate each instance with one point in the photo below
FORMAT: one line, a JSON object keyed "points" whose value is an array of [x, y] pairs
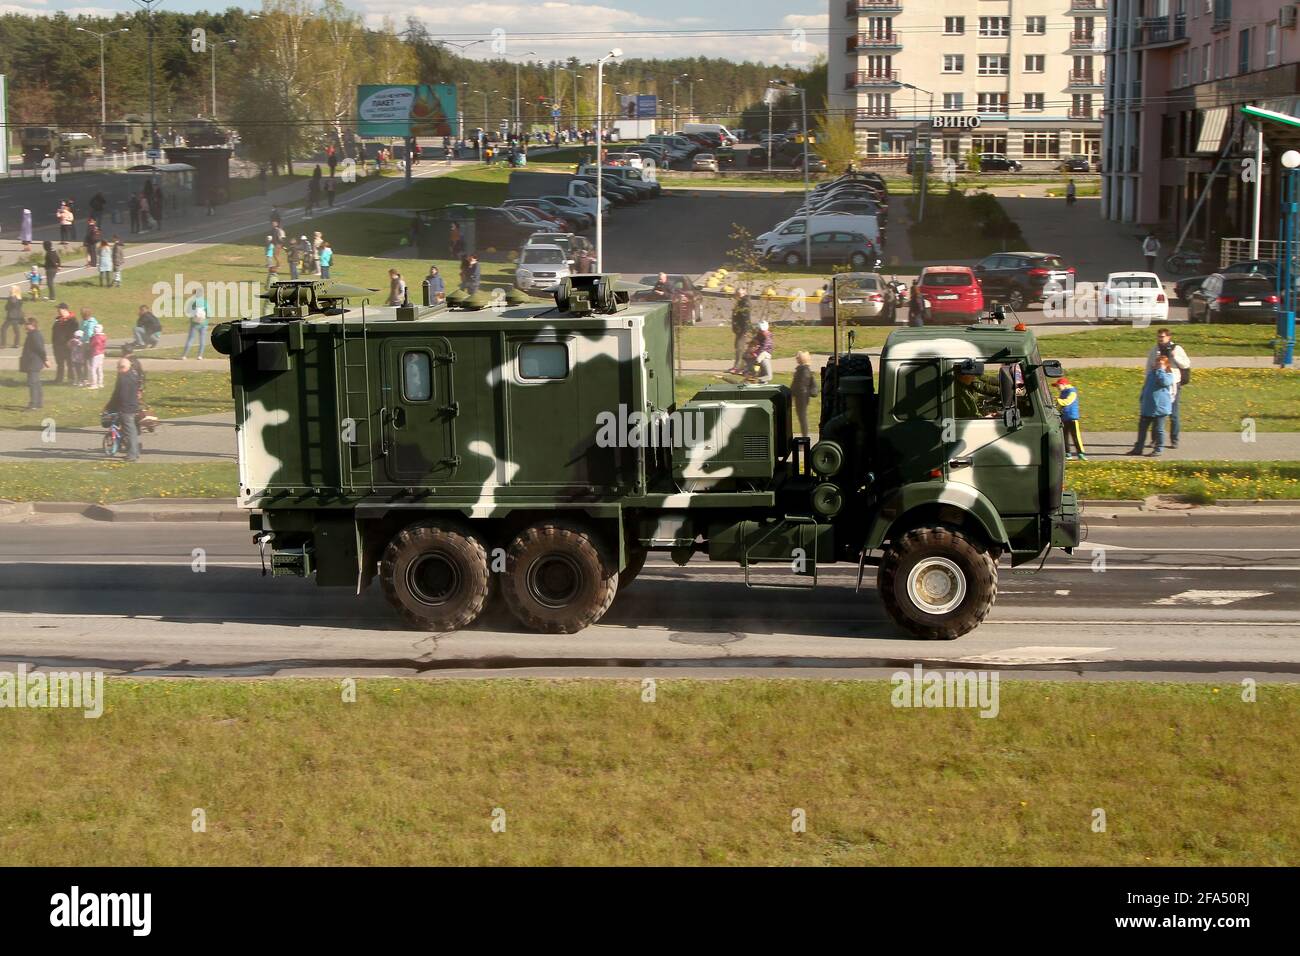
{"points": [[956, 122], [406, 110]]}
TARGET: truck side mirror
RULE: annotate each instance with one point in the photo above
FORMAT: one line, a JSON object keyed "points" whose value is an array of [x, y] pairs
{"points": [[1007, 383]]}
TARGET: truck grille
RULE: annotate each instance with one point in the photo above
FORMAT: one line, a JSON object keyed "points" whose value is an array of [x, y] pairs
{"points": [[755, 447]]}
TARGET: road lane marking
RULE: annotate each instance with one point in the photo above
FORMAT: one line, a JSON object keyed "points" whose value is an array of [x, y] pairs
{"points": [[1211, 598]]}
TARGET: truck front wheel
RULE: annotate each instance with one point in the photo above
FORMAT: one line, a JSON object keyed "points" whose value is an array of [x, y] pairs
{"points": [[559, 579], [436, 576], [937, 583]]}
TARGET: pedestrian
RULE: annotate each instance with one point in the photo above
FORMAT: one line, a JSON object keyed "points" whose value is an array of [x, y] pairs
{"points": [[313, 191], [91, 241], [125, 403], [88, 323], [25, 230], [331, 158], [261, 180], [1071, 193], [803, 387], [1181, 366], [758, 354], [133, 211], [196, 310], [396, 288], [77, 349], [147, 221], [53, 263], [104, 255], [66, 220], [317, 244], [1067, 401], [119, 260], [329, 190], [98, 346], [65, 325], [293, 253], [97, 204], [308, 255], [1151, 249], [272, 260], [14, 318], [435, 290], [148, 330], [457, 241], [739, 327], [326, 259], [34, 282], [473, 274], [1154, 406], [32, 362]]}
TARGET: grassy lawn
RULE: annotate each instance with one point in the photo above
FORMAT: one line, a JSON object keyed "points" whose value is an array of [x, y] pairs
{"points": [[107, 481], [171, 394], [711, 773], [482, 185], [717, 342], [1201, 481], [1196, 339], [1217, 400]]}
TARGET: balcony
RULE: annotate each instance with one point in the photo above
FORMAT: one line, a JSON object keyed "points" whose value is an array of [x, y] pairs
{"points": [[1087, 78], [1082, 41], [1082, 113], [866, 8], [1162, 31], [876, 112], [873, 43], [1082, 8], [872, 78]]}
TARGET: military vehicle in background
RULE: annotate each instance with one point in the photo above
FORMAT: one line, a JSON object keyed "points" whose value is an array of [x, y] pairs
{"points": [[38, 143], [536, 454], [204, 132], [127, 135]]}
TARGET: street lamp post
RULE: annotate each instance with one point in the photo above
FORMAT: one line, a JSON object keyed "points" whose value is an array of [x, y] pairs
{"points": [[600, 176], [518, 117], [103, 103], [924, 161], [691, 102], [803, 111], [677, 79], [148, 6], [214, 75]]}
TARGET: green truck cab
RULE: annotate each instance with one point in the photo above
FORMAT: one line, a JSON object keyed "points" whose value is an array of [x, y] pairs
{"points": [[537, 453]]}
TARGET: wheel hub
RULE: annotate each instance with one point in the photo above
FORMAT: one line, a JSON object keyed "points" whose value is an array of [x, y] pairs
{"points": [[433, 579], [936, 585], [554, 580]]}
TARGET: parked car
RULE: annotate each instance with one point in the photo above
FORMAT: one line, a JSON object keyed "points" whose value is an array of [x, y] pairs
{"points": [[705, 163], [853, 248], [626, 158], [1234, 297], [567, 241], [1020, 278], [526, 214], [998, 163], [862, 298], [952, 292], [1183, 288], [573, 219], [686, 297], [815, 163], [1078, 163], [1135, 296], [540, 268]]}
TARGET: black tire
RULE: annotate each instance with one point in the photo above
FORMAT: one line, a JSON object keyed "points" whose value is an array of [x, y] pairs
{"points": [[559, 578], [962, 564], [111, 445], [858, 259], [436, 575], [635, 562], [1016, 299], [793, 259]]}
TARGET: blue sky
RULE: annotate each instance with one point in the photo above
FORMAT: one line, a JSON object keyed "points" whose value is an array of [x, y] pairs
{"points": [[785, 31]]}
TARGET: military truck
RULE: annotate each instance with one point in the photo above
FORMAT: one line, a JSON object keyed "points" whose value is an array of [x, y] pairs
{"points": [[535, 454], [38, 144], [127, 135]]}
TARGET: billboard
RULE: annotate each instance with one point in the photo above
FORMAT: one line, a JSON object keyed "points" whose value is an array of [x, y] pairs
{"points": [[638, 106], [406, 109]]}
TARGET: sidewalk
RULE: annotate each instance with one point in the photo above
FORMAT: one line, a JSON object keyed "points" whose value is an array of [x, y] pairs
{"points": [[201, 438]]}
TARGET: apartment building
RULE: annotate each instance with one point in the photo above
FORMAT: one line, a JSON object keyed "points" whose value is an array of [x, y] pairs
{"points": [[1178, 73], [998, 76]]}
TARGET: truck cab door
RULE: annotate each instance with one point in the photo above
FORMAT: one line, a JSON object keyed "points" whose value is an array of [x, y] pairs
{"points": [[911, 422], [1002, 463], [419, 410]]}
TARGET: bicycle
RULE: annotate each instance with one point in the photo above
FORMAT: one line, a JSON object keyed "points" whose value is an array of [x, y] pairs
{"points": [[114, 443]]}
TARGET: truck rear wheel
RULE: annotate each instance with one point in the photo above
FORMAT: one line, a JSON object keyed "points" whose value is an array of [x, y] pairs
{"points": [[558, 578], [937, 583], [436, 576]]}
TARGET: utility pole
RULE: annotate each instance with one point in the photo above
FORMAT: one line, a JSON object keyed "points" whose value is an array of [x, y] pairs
{"points": [[803, 109], [148, 5], [600, 146], [103, 108]]}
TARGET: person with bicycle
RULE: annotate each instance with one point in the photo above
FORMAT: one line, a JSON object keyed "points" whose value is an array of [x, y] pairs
{"points": [[125, 404], [1151, 249]]}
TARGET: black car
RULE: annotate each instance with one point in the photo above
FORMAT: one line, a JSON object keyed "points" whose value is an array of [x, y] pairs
{"points": [[1234, 297], [998, 163], [1184, 288], [1019, 278], [1075, 164], [614, 191]]}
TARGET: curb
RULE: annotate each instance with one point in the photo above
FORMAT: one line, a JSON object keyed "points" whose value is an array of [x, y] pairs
{"points": [[134, 511]]}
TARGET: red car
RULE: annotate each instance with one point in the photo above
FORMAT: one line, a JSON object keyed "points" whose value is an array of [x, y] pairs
{"points": [[950, 293]]}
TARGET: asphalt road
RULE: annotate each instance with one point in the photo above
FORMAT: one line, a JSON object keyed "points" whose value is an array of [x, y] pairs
{"points": [[1170, 604]]}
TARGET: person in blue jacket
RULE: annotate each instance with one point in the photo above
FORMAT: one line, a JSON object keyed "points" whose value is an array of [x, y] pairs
{"points": [[1067, 400], [1156, 403]]}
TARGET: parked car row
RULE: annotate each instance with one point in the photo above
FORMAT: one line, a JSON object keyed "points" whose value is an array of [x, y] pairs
{"points": [[842, 222]]}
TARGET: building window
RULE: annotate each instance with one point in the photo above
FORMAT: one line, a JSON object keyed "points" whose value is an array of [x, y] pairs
{"points": [[1194, 58], [1243, 50], [1035, 63], [995, 26], [1205, 63], [954, 63], [1081, 106], [1270, 44], [992, 64], [954, 26], [992, 103], [880, 28], [953, 101], [1042, 145], [1036, 26], [1034, 101], [989, 143], [878, 104]]}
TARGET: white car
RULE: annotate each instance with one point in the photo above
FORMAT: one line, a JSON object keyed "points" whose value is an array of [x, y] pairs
{"points": [[1132, 296], [540, 268]]}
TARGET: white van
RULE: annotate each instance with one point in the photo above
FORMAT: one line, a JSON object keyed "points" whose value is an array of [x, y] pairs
{"points": [[798, 225], [727, 136]]}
